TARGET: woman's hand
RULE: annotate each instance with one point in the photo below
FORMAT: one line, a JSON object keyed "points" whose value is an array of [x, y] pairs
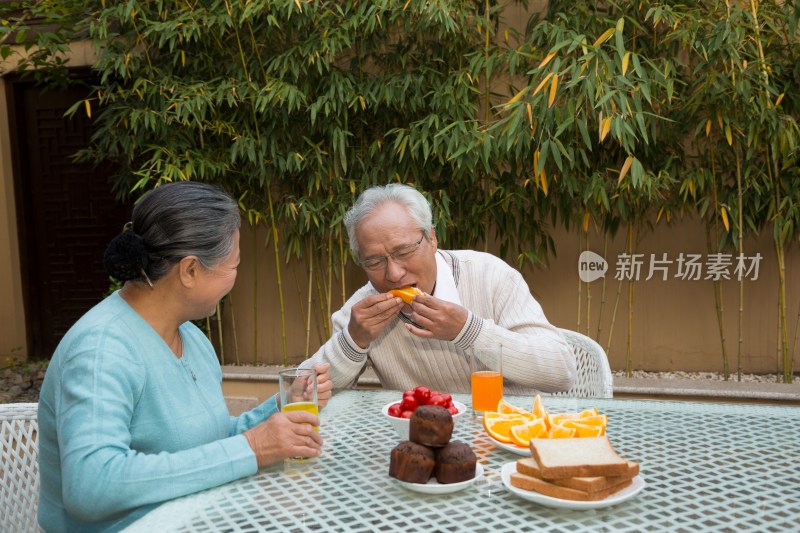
{"points": [[324, 384], [285, 435]]}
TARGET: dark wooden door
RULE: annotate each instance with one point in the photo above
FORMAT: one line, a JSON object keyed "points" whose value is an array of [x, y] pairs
{"points": [[67, 214]]}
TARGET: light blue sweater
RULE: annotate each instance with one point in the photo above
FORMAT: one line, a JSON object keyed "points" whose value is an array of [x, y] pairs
{"points": [[125, 425]]}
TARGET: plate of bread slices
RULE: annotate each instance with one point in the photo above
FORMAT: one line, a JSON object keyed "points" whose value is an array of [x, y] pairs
{"points": [[576, 474]]}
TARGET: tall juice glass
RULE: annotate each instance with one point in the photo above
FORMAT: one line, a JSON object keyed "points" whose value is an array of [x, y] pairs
{"points": [[298, 390], [487, 383]]}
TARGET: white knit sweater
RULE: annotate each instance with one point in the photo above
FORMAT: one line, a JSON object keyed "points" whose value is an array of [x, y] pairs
{"points": [[502, 311]]}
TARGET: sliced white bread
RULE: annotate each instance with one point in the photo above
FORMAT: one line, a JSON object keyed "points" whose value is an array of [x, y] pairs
{"points": [[521, 481], [579, 457], [529, 467]]}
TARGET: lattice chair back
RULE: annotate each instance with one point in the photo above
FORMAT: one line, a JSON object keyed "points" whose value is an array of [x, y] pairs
{"points": [[594, 378], [19, 467]]}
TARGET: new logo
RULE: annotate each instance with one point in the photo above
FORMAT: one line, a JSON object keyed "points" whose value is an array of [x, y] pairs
{"points": [[591, 266]]}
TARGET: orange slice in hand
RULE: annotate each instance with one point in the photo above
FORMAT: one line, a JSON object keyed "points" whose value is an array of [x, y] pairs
{"points": [[406, 293], [498, 425], [522, 434]]}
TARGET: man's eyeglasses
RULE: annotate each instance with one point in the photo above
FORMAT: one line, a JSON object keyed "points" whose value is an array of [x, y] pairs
{"points": [[399, 256]]}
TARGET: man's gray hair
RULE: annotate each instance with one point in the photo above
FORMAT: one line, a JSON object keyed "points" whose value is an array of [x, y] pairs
{"points": [[186, 218], [371, 199]]}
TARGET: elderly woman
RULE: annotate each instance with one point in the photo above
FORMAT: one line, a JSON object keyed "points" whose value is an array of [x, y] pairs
{"points": [[131, 411]]}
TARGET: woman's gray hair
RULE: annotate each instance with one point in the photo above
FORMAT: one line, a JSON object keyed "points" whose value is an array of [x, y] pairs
{"points": [[371, 199], [171, 222]]}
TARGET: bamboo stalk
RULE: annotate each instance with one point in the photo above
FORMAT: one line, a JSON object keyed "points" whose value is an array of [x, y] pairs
{"points": [[588, 292], [487, 96], [329, 292], [233, 327], [783, 332], [310, 298], [614, 315], [602, 292], [794, 342], [779, 376], [255, 294], [580, 283], [783, 328], [326, 328], [278, 278], [629, 354], [720, 312], [219, 333], [740, 247], [342, 265], [718, 300]]}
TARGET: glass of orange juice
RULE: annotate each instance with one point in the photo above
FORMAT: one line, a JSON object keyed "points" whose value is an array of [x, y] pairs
{"points": [[487, 380], [298, 390]]}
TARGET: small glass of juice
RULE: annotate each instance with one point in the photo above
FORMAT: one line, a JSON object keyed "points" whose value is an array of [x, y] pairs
{"points": [[486, 370]]}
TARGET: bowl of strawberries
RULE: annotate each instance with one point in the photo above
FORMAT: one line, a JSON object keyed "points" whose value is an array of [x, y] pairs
{"points": [[399, 412]]}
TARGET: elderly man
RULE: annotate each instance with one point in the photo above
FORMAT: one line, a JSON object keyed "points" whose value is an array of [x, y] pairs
{"points": [[471, 301]]}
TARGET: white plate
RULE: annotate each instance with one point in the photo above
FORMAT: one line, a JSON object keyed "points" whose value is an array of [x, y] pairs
{"points": [[434, 487], [624, 495], [513, 448]]}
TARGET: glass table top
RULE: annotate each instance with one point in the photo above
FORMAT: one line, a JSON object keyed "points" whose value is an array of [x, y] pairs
{"points": [[707, 467]]}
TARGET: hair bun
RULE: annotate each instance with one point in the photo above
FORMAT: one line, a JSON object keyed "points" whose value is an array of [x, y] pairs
{"points": [[126, 256]]}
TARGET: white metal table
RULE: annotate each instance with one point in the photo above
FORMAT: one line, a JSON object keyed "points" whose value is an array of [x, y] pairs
{"points": [[707, 467]]}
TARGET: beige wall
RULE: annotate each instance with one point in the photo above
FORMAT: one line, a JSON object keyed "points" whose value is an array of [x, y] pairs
{"points": [[12, 319], [674, 325]]}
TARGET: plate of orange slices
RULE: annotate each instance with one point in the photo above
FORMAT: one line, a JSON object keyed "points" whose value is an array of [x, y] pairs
{"points": [[512, 428]]}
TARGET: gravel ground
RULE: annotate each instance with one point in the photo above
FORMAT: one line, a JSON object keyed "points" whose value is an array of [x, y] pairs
{"points": [[21, 383], [700, 376]]}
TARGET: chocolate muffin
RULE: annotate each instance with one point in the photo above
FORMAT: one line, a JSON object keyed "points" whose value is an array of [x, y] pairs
{"points": [[454, 463], [411, 462], [431, 425]]}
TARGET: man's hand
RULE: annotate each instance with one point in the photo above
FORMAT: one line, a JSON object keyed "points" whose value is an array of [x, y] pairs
{"points": [[370, 316], [440, 319], [285, 435], [324, 384]]}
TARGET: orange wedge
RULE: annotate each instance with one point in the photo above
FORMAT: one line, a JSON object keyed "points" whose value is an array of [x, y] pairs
{"points": [[538, 409], [584, 430], [561, 432], [596, 420], [558, 418], [406, 293], [508, 409], [522, 434], [498, 425], [588, 412]]}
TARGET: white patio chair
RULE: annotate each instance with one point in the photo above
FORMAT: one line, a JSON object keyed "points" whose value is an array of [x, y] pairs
{"points": [[19, 467], [594, 379]]}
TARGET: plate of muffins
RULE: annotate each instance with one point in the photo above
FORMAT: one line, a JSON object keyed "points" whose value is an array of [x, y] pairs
{"points": [[434, 487], [429, 462]]}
